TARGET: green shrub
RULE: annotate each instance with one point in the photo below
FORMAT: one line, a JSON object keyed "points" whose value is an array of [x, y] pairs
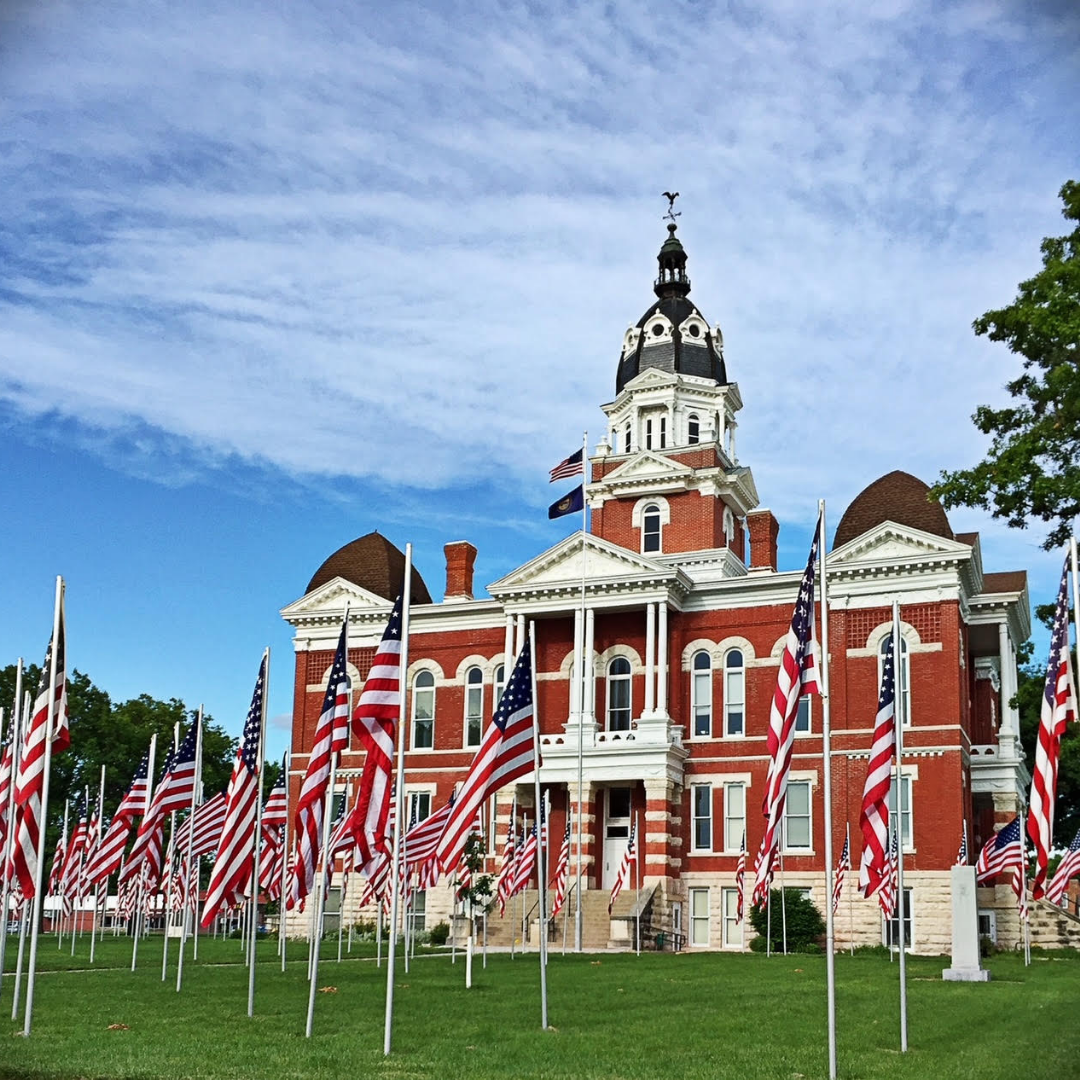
{"points": [[757, 944], [805, 924], [438, 934]]}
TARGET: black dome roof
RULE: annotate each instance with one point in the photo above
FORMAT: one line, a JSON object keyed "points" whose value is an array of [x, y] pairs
{"points": [[897, 496]]}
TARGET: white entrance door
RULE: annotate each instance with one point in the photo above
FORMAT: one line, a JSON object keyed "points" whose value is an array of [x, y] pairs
{"points": [[616, 832]]}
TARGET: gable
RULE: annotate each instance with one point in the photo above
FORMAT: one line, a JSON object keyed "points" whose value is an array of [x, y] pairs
{"points": [[890, 542], [647, 465], [332, 598]]}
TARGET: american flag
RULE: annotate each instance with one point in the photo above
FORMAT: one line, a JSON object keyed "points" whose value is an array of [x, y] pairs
{"points": [[375, 725], [874, 816], [1003, 851], [7, 753], [173, 792], [797, 676], [1067, 869], [569, 466], [1058, 708], [506, 754], [271, 862], [842, 867], [73, 858], [421, 841], [526, 862], [888, 885], [740, 882], [505, 887], [628, 859], [962, 854], [331, 737], [93, 839], [562, 872], [275, 812], [31, 774], [235, 854], [111, 849], [56, 872], [203, 832], [377, 881]]}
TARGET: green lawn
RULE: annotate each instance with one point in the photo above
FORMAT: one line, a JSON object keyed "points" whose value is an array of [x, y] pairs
{"points": [[615, 1017]]}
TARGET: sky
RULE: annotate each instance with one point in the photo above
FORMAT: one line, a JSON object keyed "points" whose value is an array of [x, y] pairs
{"points": [[275, 275]]}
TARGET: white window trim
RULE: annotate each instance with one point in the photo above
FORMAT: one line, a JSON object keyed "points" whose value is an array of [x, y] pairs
{"points": [[695, 818], [433, 689], [741, 784], [910, 775], [903, 678], [725, 734], [465, 707], [810, 709], [629, 679], [692, 920], [809, 850], [725, 941], [419, 789], [692, 735], [910, 948]]}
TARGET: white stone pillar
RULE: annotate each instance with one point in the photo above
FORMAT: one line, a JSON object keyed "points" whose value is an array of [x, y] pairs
{"points": [[576, 707], [588, 706], [508, 645], [1009, 731], [650, 660], [661, 661], [520, 642]]}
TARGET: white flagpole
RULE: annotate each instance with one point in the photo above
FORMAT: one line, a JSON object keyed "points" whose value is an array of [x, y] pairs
{"points": [[24, 912], [285, 857], [405, 898], [851, 915], [542, 878], [566, 898], [539, 832], [189, 865], [254, 911], [97, 887], [901, 689], [583, 674], [1076, 600], [78, 870], [35, 918], [60, 878], [826, 769], [139, 916], [637, 875], [399, 802], [783, 891], [166, 907], [524, 912], [9, 810], [513, 896]]}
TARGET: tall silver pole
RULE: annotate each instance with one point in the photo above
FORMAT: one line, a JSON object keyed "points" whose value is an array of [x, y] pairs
{"points": [[258, 830], [826, 769], [139, 883], [97, 887], [35, 917], [1076, 602], [541, 854], [165, 906], [901, 689], [399, 802], [578, 917], [189, 867], [9, 810], [60, 877], [285, 857]]}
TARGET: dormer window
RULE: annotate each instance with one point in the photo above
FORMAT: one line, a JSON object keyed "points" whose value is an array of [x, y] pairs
{"points": [[693, 429], [626, 438], [650, 528], [663, 432], [648, 434]]}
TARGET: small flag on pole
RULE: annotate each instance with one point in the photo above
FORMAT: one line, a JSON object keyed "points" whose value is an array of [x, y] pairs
{"points": [[570, 466], [1067, 869], [962, 854], [562, 872], [874, 816], [842, 867], [887, 886], [624, 867]]}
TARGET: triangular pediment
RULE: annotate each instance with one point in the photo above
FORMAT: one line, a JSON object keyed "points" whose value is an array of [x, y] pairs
{"points": [[889, 542], [332, 598], [570, 559], [647, 465], [652, 377]]}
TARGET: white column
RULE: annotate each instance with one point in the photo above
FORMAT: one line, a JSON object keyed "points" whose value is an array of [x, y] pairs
{"points": [[520, 641], [508, 646], [1009, 732], [650, 660], [661, 661], [575, 682], [588, 706]]}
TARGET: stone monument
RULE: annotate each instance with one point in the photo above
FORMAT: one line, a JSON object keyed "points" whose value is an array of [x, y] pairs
{"points": [[966, 965]]}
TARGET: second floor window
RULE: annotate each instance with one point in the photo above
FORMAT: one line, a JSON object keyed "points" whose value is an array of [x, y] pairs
{"points": [[474, 705], [650, 528], [500, 684], [802, 717], [797, 833], [701, 693], [423, 715], [903, 677], [734, 694], [701, 811], [618, 695]]}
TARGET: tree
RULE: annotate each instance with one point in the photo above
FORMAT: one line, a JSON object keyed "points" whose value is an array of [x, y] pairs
{"points": [[805, 923], [1032, 469]]}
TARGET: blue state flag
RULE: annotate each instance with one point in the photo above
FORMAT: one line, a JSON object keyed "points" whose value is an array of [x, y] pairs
{"points": [[570, 503]]}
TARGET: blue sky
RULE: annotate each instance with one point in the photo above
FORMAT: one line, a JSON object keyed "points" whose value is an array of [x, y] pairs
{"points": [[272, 276]]}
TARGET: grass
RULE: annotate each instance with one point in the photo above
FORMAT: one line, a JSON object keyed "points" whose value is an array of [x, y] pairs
{"points": [[614, 1016]]}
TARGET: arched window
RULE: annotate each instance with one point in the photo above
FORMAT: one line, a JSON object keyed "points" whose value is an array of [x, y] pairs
{"points": [[693, 429], [648, 434], [903, 677], [734, 694], [474, 705], [626, 448], [500, 685], [650, 528], [423, 711], [618, 695], [701, 693]]}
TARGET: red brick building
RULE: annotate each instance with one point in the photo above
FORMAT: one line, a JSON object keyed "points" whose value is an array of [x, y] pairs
{"points": [[675, 601]]}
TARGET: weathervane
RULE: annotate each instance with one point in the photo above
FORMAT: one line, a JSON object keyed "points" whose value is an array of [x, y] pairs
{"points": [[671, 196]]}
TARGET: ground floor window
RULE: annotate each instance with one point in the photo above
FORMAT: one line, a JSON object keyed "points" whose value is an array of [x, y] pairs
{"points": [[988, 925], [891, 929], [699, 917], [733, 930], [417, 911]]}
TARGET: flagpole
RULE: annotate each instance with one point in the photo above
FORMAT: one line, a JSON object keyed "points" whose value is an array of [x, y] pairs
{"points": [[851, 913], [78, 871], [53, 712], [97, 885], [165, 908], [60, 877], [1076, 597], [1023, 923], [521, 891], [783, 891], [138, 882], [584, 690], [566, 898], [399, 802], [189, 865], [898, 653], [258, 830], [637, 874], [539, 832], [15, 726], [285, 853], [826, 769]]}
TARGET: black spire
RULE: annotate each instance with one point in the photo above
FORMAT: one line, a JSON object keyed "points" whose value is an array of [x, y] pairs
{"points": [[672, 280]]}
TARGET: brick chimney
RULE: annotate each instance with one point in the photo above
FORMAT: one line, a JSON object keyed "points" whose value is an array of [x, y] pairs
{"points": [[460, 559], [764, 529]]}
